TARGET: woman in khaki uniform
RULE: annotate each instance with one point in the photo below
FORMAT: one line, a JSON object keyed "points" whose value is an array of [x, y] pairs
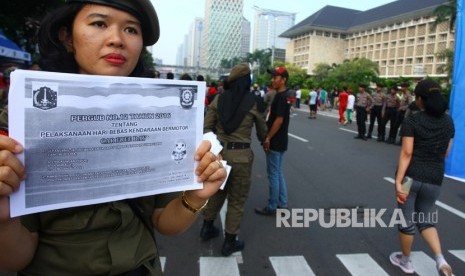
{"points": [[98, 37], [233, 114]]}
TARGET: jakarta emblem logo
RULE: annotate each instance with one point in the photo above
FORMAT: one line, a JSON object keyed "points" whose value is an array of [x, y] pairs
{"points": [[44, 98], [187, 97]]}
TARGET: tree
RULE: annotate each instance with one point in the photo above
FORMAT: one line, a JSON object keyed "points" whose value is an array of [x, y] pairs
{"points": [[20, 21], [355, 71], [448, 55], [444, 13]]}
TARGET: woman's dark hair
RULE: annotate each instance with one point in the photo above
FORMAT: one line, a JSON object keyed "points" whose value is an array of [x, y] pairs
{"points": [[53, 54], [430, 93]]}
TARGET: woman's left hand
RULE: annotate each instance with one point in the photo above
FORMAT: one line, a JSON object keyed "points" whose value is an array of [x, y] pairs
{"points": [[401, 194], [210, 171]]}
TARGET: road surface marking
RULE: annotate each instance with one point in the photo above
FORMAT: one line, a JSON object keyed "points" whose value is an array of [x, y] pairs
{"points": [[459, 254], [214, 266], [291, 266], [298, 138], [423, 264], [361, 264], [438, 203]]}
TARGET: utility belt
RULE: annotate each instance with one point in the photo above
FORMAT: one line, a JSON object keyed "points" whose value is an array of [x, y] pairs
{"points": [[235, 145]]}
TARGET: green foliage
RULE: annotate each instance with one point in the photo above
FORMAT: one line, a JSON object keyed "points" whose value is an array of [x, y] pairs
{"points": [[147, 58], [20, 21], [444, 13]]}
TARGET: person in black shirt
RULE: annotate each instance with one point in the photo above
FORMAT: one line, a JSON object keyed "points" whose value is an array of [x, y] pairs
{"points": [[426, 140], [276, 142]]}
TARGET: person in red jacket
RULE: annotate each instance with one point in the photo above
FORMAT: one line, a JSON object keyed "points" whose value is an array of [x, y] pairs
{"points": [[343, 99]]}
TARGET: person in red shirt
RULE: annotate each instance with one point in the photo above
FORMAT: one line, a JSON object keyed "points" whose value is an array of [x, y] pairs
{"points": [[343, 99]]}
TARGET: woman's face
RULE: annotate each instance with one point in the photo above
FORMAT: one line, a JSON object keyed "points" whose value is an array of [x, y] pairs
{"points": [[105, 41]]}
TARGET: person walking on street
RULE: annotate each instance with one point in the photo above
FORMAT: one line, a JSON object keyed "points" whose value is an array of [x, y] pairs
{"points": [[424, 165], [389, 114], [233, 114], [107, 38], [298, 96], [362, 106], [350, 106], [343, 99], [276, 143], [376, 109], [312, 102]]}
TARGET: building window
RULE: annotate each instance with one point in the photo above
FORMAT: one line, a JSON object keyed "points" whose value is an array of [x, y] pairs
{"points": [[409, 61], [419, 60], [430, 59]]}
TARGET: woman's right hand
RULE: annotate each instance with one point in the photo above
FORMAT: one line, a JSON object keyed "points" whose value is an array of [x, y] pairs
{"points": [[11, 173]]}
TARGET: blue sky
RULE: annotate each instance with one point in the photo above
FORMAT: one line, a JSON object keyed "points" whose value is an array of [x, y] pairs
{"points": [[176, 16]]}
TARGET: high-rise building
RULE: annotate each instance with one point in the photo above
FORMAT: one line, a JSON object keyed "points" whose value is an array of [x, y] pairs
{"points": [[194, 42], [245, 45], [222, 33], [398, 36], [269, 24]]}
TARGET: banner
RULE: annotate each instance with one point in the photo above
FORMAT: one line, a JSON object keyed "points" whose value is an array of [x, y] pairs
{"points": [[455, 163]]}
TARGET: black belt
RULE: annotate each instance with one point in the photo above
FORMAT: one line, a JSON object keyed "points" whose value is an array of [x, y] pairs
{"points": [[236, 145]]}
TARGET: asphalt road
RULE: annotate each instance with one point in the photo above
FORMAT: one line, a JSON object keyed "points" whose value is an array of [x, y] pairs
{"points": [[325, 169]]}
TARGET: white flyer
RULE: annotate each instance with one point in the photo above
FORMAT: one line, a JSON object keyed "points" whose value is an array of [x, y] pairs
{"points": [[94, 139]]}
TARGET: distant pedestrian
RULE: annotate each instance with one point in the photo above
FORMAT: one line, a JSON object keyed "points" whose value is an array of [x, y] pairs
{"points": [[276, 143], [350, 106], [343, 100], [335, 95], [323, 98], [170, 75], [313, 103], [298, 96]]}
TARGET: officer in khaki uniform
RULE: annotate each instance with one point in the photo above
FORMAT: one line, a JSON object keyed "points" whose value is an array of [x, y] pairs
{"points": [[362, 106], [233, 114]]}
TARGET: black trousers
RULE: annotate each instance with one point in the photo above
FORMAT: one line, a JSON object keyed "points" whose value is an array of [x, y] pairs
{"points": [[361, 118], [375, 114], [390, 115], [399, 119]]}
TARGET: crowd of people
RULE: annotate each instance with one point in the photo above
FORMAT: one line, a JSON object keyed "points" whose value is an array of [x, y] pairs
{"points": [[387, 107], [117, 237]]}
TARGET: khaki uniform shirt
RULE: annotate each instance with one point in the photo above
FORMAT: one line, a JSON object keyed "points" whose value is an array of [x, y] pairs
{"points": [[364, 100], [378, 99], [102, 239], [391, 101], [404, 100], [243, 133]]}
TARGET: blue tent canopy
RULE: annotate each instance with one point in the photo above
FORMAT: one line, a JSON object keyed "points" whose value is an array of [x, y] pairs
{"points": [[9, 49], [455, 165]]}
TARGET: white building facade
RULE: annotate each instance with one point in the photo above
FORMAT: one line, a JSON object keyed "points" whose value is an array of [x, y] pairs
{"points": [[222, 32], [269, 24]]}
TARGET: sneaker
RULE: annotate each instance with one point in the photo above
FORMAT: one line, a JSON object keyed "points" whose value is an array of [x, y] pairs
{"points": [[396, 259], [265, 211], [445, 270]]}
